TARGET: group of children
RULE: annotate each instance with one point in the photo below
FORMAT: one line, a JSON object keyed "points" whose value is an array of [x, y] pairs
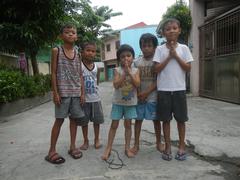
{"points": [[151, 87]]}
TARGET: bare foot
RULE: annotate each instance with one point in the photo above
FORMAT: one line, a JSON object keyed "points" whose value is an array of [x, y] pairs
{"points": [[97, 144], [84, 146], [134, 150], [106, 154], [129, 153], [160, 147]]}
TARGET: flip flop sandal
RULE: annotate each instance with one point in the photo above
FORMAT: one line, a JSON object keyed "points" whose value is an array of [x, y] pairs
{"points": [[75, 154], [181, 156], [58, 160], [166, 156]]}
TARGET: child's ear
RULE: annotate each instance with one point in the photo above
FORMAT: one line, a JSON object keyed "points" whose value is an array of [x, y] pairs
{"points": [[60, 36], [180, 30]]}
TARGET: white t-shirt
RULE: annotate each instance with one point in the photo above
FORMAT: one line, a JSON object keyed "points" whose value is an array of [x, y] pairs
{"points": [[172, 77], [90, 83]]}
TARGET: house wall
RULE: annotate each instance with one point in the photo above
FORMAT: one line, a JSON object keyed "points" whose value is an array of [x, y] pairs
{"points": [[12, 60], [112, 53], [132, 36], [197, 13], [109, 57], [8, 59]]}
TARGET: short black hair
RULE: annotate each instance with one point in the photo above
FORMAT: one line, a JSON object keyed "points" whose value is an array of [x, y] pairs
{"points": [[166, 21], [85, 44], [123, 48], [148, 37], [67, 26]]}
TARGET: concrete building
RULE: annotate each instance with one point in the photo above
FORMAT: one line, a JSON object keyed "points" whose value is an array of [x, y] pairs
{"points": [[215, 41], [129, 35]]}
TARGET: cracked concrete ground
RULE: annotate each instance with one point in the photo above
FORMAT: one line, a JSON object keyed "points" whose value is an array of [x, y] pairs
{"points": [[213, 133]]}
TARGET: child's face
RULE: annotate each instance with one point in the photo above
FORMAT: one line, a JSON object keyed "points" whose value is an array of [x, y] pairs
{"points": [[89, 52], [126, 58], [148, 49], [69, 35], [171, 31]]}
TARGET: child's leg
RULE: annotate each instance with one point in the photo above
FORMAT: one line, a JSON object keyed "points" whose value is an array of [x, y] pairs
{"points": [[137, 131], [166, 133], [96, 128], [85, 144], [128, 134], [111, 136], [157, 128], [73, 134], [54, 135], [181, 132], [73, 151]]}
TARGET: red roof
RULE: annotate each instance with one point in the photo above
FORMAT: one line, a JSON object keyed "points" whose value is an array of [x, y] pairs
{"points": [[138, 25]]}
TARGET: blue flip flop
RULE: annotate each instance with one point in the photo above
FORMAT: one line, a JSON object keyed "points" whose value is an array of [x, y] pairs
{"points": [[181, 156]]}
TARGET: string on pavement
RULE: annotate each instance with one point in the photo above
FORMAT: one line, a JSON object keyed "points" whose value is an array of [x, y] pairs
{"points": [[112, 164]]}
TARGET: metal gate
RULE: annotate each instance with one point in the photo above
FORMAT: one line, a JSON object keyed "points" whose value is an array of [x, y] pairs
{"points": [[220, 57]]}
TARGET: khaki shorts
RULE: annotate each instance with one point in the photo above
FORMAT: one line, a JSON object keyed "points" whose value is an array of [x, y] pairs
{"points": [[93, 112], [69, 107]]}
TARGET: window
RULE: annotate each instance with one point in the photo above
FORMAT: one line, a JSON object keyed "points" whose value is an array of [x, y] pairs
{"points": [[117, 44], [108, 47]]}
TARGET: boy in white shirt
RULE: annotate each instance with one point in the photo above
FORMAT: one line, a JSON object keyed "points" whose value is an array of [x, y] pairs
{"points": [[172, 62]]}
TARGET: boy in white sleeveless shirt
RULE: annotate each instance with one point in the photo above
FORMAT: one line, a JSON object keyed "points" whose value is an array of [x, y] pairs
{"points": [[92, 106]]}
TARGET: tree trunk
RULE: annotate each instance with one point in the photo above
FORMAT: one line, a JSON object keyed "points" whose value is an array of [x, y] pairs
{"points": [[34, 63]]}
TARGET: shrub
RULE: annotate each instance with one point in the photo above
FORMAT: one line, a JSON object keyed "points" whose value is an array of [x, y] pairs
{"points": [[16, 85]]}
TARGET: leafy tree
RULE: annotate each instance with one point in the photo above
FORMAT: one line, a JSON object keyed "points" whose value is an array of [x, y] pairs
{"points": [[180, 11], [27, 25], [91, 22]]}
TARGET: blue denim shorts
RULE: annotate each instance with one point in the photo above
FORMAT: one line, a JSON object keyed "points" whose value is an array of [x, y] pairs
{"points": [[146, 111], [123, 112]]}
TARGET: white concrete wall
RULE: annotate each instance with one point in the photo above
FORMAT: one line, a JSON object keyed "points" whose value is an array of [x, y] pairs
{"points": [[12, 60], [197, 13], [44, 68]]}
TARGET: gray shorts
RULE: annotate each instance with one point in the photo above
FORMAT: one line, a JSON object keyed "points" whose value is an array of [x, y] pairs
{"points": [[93, 112], [172, 104], [69, 107]]}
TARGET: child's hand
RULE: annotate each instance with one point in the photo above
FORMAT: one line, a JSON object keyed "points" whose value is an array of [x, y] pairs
{"points": [[142, 96], [56, 99], [127, 68], [172, 50]]}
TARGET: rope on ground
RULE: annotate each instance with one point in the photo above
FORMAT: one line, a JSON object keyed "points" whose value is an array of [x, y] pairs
{"points": [[111, 163]]}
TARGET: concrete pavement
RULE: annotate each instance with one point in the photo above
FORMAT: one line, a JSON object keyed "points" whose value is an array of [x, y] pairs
{"points": [[213, 134]]}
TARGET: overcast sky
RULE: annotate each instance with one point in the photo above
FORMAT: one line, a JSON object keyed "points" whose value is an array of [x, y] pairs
{"points": [[135, 11]]}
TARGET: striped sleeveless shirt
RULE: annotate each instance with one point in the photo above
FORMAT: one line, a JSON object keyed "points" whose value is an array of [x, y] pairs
{"points": [[68, 74]]}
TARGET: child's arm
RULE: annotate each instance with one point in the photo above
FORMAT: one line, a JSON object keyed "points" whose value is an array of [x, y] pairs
{"points": [[158, 67], [184, 65], [98, 76], [135, 79], [56, 97], [144, 94], [118, 80], [82, 97]]}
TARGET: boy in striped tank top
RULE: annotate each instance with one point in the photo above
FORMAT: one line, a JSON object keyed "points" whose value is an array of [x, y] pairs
{"points": [[68, 92], [92, 107]]}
